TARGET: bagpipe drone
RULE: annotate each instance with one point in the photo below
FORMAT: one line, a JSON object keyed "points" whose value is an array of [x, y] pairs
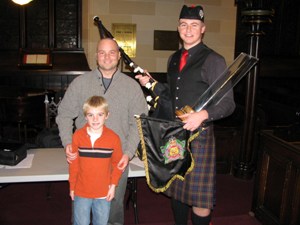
{"points": [[151, 98]]}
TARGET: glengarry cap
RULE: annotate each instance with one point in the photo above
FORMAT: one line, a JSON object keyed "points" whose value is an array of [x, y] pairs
{"points": [[192, 12]]}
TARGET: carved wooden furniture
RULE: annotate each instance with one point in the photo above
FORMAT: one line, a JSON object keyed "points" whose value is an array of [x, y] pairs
{"points": [[276, 197]]}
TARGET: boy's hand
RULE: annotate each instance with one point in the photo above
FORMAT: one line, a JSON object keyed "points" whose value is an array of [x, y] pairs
{"points": [[111, 193]]}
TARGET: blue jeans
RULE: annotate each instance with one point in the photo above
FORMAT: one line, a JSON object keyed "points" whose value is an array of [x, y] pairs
{"points": [[82, 211]]}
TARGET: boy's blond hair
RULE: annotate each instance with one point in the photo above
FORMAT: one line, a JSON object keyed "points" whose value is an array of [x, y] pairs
{"points": [[95, 102]]}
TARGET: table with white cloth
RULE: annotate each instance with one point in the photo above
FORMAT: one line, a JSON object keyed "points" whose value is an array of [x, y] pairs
{"points": [[50, 164]]}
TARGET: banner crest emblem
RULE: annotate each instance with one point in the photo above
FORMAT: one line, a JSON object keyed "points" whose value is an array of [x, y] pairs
{"points": [[173, 150]]}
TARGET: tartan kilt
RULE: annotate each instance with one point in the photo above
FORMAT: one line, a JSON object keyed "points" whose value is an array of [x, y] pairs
{"points": [[199, 187]]}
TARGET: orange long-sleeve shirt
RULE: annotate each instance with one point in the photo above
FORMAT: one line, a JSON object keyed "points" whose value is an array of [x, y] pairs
{"points": [[95, 168]]}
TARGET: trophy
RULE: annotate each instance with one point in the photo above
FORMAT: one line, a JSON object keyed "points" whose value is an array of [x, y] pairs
{"points": [[225, 82]]}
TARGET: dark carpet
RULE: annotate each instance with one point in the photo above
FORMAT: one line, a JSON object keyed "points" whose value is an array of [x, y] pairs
{"points": [[29, 204]]}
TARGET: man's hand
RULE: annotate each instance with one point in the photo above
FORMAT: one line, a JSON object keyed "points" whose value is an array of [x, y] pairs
{"points": [[123, 162], [194, 120], [70, 156], [72, 195]]}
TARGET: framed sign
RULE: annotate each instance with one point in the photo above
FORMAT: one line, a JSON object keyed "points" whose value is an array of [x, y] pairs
{"points": [[125, 35], [124, 67], [35, 59], [166, 40]]}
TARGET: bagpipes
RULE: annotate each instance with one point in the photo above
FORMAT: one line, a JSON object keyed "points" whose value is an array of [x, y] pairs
{"points": [[164, 145], [151, 97]]}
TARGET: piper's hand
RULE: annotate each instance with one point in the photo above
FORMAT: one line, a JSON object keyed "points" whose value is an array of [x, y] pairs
{"points": [[70, 155], [123, 162], [144, 79], [193, 120]]}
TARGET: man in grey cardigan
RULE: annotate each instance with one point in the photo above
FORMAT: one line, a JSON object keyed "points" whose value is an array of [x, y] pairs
{"points": [[125, 99]]}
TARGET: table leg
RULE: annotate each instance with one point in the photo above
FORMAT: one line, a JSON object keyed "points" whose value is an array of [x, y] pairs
{"points": [[132, 197]]}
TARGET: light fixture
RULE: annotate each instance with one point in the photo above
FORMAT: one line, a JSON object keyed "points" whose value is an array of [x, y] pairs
{"points": [[21, 2]]}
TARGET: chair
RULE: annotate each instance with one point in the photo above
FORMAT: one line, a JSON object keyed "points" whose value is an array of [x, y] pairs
{"points": [[49, 137], [50, 111]]}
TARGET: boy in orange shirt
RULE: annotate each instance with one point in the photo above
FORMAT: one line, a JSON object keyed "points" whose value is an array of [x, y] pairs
{"points": [[94, 175]]}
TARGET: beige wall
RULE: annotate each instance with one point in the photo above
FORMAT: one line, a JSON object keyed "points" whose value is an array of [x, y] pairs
{"points": [[150, 15]]}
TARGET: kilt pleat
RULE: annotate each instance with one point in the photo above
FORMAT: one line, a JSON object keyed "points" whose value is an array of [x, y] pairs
{"points": [[199, 187]]}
